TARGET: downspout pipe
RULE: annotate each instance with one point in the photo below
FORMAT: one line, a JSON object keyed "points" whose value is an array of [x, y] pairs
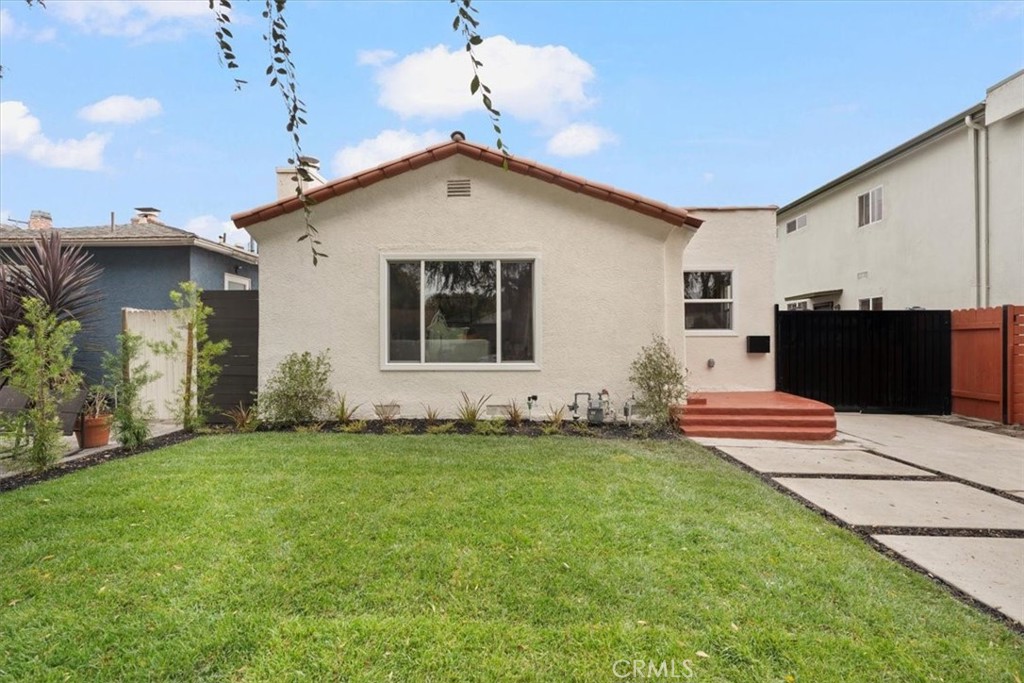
{"points": [[979, 150]]}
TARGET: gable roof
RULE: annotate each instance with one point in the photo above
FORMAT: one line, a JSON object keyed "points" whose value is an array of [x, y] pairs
{"points": [[126, 235], [335, 188]]}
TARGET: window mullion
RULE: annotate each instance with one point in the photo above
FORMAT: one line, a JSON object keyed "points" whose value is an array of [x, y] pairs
{"points": [[497, 311], [423, 312]]}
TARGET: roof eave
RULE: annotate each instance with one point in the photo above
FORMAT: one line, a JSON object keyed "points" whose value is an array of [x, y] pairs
{"points": [[649, 207], [907, 146]]}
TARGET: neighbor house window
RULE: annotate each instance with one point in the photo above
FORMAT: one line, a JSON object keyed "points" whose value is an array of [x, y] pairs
{"points": [[237, 282], [709, 299], [798, 306], [872, 304], [443, 311], [869, 207], [797, 223]]}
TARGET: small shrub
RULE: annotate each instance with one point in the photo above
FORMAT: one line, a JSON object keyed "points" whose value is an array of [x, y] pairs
{"points": [[514, 413], [126, 376], [658, 377], [398, 428], [581, 428], [310, 428], [443, 428], [553, 425], [299, 390], [245, 419], [470, 412], [387, 412], [495, 427], [431, 415], [343, 410], [353, 427]]}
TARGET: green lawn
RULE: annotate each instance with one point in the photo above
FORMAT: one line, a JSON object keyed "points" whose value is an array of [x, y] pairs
{"points": [[312, 557]]}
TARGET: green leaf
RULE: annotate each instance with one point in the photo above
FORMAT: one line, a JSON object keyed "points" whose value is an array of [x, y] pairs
{"points": [[455, 24], [476, 40], [474, 85]]}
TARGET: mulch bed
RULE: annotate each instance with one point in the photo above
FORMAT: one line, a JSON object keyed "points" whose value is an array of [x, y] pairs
{"points": [[59, 470]]}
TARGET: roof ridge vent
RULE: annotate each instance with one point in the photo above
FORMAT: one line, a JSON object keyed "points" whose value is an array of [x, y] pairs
{"points": [[459, 187]]}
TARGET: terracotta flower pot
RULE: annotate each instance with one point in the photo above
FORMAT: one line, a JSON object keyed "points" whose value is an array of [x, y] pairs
{"points": [[96, 430]]}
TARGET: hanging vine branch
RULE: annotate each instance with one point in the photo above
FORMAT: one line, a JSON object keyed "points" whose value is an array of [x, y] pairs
{"points": [[468, 24], [281, 71]]}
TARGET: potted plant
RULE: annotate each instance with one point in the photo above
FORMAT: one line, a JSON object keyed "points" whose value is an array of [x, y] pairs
{"points": [[97, 418]]}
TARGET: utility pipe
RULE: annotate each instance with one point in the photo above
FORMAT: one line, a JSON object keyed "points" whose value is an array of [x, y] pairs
{"points": [[979, 150]]}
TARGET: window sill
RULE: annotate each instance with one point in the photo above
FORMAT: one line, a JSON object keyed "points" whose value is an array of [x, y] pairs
{"points": [[712, 333], [460, 367]]}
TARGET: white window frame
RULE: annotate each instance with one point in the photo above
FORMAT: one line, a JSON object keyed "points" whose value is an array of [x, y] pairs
{"points": [[238, 280], [798, 223], [870, 301], [422, 365], [724, 332], [875, 208]]}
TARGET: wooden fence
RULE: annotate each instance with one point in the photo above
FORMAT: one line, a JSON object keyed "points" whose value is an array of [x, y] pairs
{"points": [[988, 363]]}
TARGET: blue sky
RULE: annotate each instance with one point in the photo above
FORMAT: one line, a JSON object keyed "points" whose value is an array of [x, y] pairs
{"points": [[115, 104]]}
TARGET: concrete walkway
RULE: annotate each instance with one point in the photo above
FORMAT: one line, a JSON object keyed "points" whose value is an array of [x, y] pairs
{"points": [[949, 499]]}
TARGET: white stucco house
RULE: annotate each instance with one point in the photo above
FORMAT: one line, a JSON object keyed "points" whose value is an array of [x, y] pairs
{"points": [[937, 222], [447, 273]]}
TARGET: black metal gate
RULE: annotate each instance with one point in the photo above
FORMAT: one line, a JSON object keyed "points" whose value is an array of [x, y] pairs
{"points": [[871, 361], [236, 317]]}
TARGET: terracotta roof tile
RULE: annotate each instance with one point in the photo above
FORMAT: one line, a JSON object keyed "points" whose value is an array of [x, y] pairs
{"points": [[648, 207]]}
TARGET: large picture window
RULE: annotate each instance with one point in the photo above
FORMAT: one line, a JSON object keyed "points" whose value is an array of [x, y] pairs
{"points": [[708, 299], [461, 311]]}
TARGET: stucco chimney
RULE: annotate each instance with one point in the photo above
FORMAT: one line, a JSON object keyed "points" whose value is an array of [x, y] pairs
{"points": [[288, 177], [146, 214], [40, 220]]}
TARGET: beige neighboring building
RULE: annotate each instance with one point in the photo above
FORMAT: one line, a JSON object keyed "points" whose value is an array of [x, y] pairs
{"points": [[732, 256], [937, 222], [447, 273]]}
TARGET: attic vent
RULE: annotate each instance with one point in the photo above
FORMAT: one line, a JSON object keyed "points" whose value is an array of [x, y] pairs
{"points": [[459, 187]]}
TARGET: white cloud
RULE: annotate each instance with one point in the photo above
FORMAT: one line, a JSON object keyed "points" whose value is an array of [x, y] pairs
{"points": [[22, 134], [1007, 10], [9, 28], [121, 109], [538, 84], [374, 57], [388, 145], [7, 25], [579, 139], [212, 228], [139, 19]]}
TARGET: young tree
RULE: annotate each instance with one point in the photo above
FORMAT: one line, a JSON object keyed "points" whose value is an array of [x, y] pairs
{"points": [[659, 380], [190, 341], [125, 375], [41, 353]]}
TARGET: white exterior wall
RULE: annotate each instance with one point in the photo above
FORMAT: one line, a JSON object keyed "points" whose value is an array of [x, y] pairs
{"points": [[1006, 210], [924, 251], [157, 326], [920, 254], [601, 284], [743, 241]]}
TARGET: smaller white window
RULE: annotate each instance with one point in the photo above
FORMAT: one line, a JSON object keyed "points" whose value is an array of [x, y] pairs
{"points": [[797, 306], [869, 207], [237, 282], [796, 224], [708, 300], [872, 304]]}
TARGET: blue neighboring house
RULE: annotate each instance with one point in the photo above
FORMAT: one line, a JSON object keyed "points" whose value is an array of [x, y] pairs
{"points": [[142, 262]]}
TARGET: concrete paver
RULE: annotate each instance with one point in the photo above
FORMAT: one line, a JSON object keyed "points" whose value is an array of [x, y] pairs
{"points": [[990, 569], [991, 460], [819, 461], [873, 502]]}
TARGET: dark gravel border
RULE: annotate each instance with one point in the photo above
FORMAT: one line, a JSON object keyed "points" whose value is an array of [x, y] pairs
{"points": [[21, 479], [866, 532]]}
